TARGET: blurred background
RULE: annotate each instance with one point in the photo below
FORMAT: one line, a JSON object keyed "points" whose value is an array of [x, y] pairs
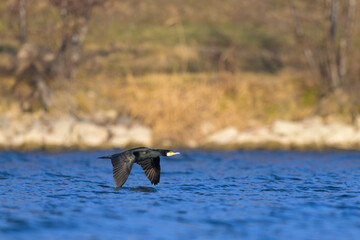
{"points": [[181, 69]]}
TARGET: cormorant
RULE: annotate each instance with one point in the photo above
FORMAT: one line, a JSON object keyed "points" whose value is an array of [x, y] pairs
{"points": [[148, 159]]}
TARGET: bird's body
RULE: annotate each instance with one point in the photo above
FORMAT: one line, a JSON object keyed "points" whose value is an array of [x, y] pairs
{"points": [[148, 159]]}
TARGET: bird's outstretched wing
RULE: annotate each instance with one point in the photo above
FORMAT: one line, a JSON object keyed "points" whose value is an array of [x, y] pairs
{"points": [[151, 168], [122, 164]]}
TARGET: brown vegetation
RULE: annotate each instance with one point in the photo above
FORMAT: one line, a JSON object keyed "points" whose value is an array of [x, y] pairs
{"points": [[185, 107]]}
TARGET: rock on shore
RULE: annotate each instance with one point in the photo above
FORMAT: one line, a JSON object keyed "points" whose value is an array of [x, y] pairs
{"points": [[47, 132], [309, 133], [30, 131]]}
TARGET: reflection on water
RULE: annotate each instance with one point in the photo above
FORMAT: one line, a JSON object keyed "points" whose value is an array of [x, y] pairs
{"points": [[202, 195], [138, 189]]}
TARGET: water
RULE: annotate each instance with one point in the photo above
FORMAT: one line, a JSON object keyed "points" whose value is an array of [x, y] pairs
{"points": [[202, 195]]}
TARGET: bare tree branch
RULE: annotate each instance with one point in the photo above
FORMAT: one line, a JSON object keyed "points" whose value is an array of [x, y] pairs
{"points": [[300, 36], [22, 18], [333, 19]]}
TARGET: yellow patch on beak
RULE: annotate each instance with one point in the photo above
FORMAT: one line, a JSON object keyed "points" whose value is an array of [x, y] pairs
{"points": [[171, 153]]}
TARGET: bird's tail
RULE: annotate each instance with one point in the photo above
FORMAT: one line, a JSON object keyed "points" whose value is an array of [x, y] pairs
{"points": [[105, 157]]}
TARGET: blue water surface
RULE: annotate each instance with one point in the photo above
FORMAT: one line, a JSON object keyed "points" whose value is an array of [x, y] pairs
{"points": [[202, 195]]}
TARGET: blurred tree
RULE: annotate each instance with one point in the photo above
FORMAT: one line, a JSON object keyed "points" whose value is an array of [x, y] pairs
{"points": [[36, 64], [325, 30], [75, 17]]}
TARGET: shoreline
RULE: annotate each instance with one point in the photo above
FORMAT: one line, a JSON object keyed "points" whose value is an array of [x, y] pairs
{"points": [[43, 132]]}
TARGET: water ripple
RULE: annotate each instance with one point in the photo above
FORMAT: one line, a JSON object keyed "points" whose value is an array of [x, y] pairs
{"points": [[202, 195]]}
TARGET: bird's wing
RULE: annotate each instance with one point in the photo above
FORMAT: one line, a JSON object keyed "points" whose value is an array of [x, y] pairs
{"points": [[151, 168], [122, 164]]}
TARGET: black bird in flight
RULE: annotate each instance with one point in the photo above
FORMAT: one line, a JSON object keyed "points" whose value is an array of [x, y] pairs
{"points": [[148, 159]]}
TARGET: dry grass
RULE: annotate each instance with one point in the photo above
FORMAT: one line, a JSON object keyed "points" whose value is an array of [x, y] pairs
{"points": [[178, 106], [185, 108]]}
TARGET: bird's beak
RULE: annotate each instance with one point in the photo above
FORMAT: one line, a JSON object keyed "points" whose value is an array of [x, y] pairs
{"points": [[171, 153]]}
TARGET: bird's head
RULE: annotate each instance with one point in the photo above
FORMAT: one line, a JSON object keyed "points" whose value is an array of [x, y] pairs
{"points": [[145, 153], [170, 153], [166, 153]]}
